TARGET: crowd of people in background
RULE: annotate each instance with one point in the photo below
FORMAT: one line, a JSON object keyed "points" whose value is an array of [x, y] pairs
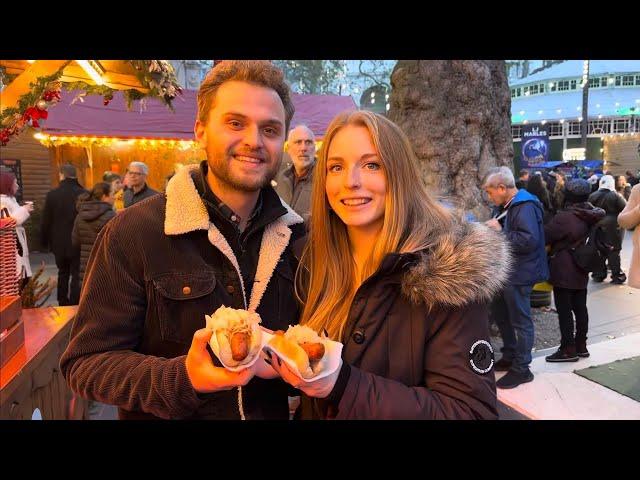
{"points": [[71, 219], [582, 218]]}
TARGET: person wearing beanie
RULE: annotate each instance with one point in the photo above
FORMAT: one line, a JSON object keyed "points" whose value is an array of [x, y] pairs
{"points": [[567, 228], [8, 189], [612, 203]]}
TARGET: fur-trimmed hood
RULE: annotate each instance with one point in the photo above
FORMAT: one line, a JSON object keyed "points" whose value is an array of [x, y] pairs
{"points": [[471, 263]]}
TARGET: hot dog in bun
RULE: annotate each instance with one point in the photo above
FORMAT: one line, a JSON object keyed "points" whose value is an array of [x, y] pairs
{"points": [[237, 333], [303, 346]]}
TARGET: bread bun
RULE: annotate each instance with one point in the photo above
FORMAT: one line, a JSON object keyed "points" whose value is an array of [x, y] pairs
{"points": [[304, 347], [225, 349], [227, 323], [293, 352]]}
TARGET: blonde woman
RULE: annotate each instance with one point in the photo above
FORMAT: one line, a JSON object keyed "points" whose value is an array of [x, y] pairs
{"points": [[402, 284], [630, 218]]}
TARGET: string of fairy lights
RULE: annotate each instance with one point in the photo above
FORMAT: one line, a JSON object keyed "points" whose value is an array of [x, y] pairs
{"points": [[87, 141], [140, 143]]}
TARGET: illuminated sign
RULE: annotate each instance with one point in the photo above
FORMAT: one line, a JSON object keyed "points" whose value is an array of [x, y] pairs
{"points": [[573, 154]]}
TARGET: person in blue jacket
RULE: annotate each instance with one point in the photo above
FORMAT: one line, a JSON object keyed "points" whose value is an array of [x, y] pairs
{"points": [[523, 227]]}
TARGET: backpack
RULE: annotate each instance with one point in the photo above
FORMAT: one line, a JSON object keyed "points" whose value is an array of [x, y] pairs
{"points": [[591, 252]]}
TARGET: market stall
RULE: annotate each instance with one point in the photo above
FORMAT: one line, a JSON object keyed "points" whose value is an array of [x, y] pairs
{"points": [[32, 339]]}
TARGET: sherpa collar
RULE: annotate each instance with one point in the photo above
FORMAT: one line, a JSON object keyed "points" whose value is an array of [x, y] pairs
{"points": [[186, 212]]}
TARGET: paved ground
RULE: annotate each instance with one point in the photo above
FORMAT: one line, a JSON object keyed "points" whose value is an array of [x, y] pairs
{"points": [[614, 311]]}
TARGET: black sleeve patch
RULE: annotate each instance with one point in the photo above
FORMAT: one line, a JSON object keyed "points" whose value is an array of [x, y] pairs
{"points": [[481, 357]]}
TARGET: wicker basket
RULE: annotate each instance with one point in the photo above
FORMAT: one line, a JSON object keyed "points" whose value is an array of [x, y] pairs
{"points": [[8, 253]]}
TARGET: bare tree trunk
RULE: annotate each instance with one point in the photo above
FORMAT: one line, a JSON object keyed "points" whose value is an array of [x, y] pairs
{"points": [[457, 115]]}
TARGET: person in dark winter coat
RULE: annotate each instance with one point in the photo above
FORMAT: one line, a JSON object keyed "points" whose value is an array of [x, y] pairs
{"points": [[538, 187], [220, 236], [566, 230], [95, 209], [399, 281], [523, 228], [58, 216], [612, 203]]}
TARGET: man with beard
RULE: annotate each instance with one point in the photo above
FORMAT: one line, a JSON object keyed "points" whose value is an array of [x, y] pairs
{"points": [[219, 236], [295, 179]]}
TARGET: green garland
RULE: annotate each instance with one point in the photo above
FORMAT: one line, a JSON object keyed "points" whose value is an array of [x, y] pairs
{"points": [[157, 76], [29, 99]]}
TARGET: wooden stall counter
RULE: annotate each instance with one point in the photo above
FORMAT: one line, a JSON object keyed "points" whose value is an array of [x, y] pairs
{"points": [[31, 378]]}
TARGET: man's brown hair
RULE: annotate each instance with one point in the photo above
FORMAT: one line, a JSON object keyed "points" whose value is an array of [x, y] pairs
{"points": [[258, 72]]}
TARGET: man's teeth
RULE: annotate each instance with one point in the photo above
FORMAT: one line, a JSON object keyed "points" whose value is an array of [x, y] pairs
{"points": [[247, 159], [355, 201]]}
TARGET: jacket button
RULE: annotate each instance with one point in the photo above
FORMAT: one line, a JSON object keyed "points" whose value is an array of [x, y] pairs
{"points": [[186, 290], [358, 336], [230, 289]]}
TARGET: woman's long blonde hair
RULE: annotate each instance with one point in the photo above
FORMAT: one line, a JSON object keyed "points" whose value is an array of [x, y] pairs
{"points": [[412, 220]]}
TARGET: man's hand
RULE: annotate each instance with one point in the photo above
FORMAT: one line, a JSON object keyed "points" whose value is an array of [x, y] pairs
{"points": [[318, 389], [494, 224], [204, 375]]}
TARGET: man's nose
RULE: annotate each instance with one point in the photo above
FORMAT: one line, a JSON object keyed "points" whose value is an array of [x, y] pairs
{"points": [[253, 138]]}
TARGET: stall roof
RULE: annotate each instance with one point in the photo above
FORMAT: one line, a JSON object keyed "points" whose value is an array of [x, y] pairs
{"points": [[88, 116], [573, 68], [608, 102]]}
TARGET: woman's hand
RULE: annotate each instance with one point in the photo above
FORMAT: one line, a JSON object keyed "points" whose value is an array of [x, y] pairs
{"points": [[264, 368], [317, 388]]}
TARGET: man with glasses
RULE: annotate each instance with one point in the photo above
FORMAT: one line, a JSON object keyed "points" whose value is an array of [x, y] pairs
{"points": [[138, 189]]}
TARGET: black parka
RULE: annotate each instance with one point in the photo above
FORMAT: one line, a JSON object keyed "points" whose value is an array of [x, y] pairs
{"points": [[417, 338], [92, 216]]}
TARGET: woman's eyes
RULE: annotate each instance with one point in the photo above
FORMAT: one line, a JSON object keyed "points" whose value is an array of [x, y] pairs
{"points": [[373, 166]]}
